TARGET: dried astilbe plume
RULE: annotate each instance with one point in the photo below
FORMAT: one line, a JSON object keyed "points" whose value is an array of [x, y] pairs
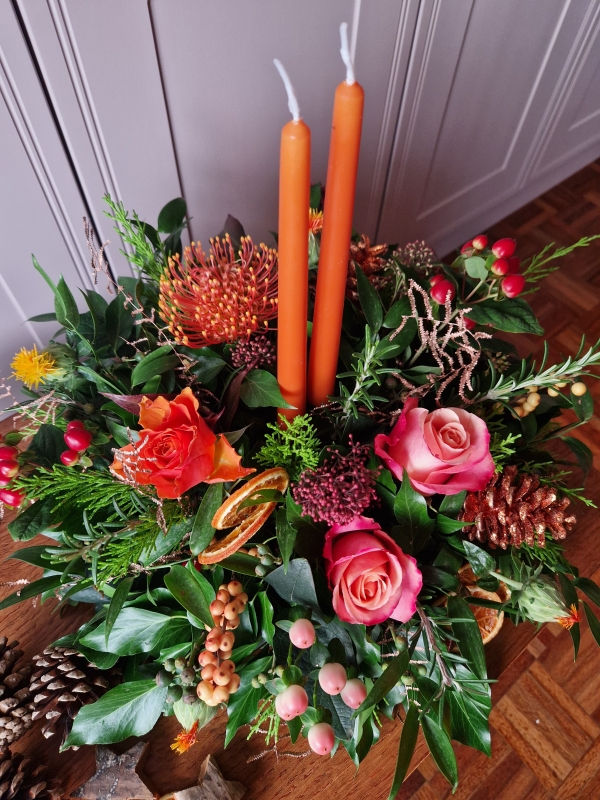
{"points": [[219, 297], [369, 258], [515, 508], [453, 347]]}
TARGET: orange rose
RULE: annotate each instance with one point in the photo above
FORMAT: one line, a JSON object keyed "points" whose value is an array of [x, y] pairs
{"points": [[177, 449]]}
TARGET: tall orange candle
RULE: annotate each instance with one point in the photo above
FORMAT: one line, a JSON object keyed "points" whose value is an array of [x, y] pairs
{"points": [[337, 231], [294, 201]]}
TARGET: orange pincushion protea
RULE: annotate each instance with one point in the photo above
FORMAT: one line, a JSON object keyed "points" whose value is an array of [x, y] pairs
{"points": [[575, 616], [185, 740], [221, 297], [315, 220]]}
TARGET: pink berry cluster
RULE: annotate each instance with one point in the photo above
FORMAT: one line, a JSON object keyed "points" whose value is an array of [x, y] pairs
{"points": [[9, 469], [293, 701], [77, 439]]}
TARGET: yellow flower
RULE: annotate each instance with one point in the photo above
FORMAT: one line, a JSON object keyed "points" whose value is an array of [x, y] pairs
{"points": [[32, 368], [315, 220]]}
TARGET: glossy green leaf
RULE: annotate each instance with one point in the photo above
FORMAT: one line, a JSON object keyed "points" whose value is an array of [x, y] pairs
{"points": [[260, 389], [475, 267], [469, 717], [385, 683], [286, 537], [452, 504], [408, 742], [187, 592], [480, 561], [33, 520], [440, 748], [119, 322], [582, 453], [266, 618], [241, 562], [583, 406], [510, 315], [116, 604], [297, 587], [243, 705], [130, 709], [31, 590], [593, 622], [155, 363], [50, 317], [587, 586], [202, 529], [172, 216], [47, 445], [206, 364], [468, 635], [369, 300], [448, 525], [260, 497], [139, 631], [410, 509]]}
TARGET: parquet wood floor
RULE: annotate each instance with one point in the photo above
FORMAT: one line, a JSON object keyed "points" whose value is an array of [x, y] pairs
{"points": [[546, 720], [546, 708]]}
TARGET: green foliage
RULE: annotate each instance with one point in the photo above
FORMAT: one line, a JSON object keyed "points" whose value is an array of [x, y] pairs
{"points": [[295, 446], [501, 448], [540, 265]]}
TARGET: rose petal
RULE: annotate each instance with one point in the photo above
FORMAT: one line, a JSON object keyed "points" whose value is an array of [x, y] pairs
{"points": [[226, 463]]}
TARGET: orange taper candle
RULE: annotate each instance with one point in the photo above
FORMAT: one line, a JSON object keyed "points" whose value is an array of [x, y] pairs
{"points": [[337, 231], [294, 201]]}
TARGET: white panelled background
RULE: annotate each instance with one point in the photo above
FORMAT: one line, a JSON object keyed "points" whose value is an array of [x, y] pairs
{"points": [[472, 109]]}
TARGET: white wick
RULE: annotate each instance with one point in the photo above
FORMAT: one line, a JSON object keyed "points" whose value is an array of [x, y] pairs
{"points": [[292, 99], [346, 57]]}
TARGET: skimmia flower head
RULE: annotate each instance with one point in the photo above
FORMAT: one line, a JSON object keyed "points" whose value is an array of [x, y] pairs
{"points": [[219, 297]]}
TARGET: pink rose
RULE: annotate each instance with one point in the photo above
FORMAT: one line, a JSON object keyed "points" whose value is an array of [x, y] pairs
{"points": [[443, 451], [372, 579]]}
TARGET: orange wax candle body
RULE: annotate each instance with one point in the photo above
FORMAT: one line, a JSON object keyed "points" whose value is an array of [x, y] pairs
{"points": [[294, 200], [335, 240]]}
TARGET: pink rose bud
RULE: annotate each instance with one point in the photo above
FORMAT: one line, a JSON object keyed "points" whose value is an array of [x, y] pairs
{"points": [[441, 290], [514, 265], [302, 634], [292, 702], [321, 738], [500, 267], [332, 678], [467, 246], [513, 285], [480, 242], [437, 278], [354, 692], [504, 248]]}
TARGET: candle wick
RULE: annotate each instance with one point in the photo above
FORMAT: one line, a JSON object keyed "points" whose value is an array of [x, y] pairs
{"points": [[292, 99], [345, 53]]}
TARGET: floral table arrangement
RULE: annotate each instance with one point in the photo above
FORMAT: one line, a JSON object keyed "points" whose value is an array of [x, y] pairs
{"points": [[309, 544]]}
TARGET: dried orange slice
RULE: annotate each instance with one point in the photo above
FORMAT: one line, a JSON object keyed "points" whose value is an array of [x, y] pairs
{"points": [[466, 575], [489, 619], [247, 520]]}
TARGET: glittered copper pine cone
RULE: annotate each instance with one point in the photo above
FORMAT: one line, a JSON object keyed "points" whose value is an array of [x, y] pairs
{"points": [[370, 261], [514, 508]]}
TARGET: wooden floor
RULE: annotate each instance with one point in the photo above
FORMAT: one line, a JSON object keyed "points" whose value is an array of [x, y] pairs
{"points": [[546, 708]]}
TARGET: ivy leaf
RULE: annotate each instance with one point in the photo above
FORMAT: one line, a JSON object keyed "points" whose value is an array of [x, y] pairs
{"points": [[138, 631], [410, 509], [386, 682], [466, 630], [33, 520], [130, 709], [187, 592], [260, 389], [155, 363], [286, 537], [202, 529], [440, 749], [342, 720], [297, 587], [511, 315], [47, 445], [369, 300], [408, 742]]}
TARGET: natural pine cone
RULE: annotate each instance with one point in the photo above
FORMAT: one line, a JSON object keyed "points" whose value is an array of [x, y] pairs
{"points": [[368, 257], [514, 508], [20, 780], [61, 685], [16, 704]]}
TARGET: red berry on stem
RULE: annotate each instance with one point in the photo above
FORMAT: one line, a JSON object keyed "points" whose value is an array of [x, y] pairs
{"points": [[436, 279], [75, 423], [332, 678], [514, 265], [500, 267], [321, 738], [11, 497], [441, 290], [504, 248], [4, 482], [8, 469], [469, 323], [513, 285], [480, 242], [8, 453], [302, 633], [467, 246], [78, 439], [69, 458]]}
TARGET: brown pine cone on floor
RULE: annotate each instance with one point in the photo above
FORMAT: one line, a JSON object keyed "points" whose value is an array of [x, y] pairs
{"points": [[515, 508], [16, 704], [21, 780], [63, 682]]}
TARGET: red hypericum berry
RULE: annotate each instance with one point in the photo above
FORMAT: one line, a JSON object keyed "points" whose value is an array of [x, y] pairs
{"points": [[467, 246], [321, 738], [500, 267], [302, 634], [11, 497], [4, 482], [8, 453], [75, 423], [504, 248], [435, 279], [69, 458], [8, 469], [513, 285], [480, 242], [514, 265], [469, 323], [78, 439], [440, 291]]}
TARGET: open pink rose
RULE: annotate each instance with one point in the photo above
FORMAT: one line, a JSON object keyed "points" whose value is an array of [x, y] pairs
{"points": [[443, 451], [372, 579]]}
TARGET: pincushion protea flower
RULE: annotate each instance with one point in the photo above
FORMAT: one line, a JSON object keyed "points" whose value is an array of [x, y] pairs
{"points": [[32, 368], [185, 740], [219, 297], [315, 221]]}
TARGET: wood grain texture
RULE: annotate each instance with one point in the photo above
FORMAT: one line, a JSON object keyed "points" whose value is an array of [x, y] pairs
{"points": [[546, 719]]}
